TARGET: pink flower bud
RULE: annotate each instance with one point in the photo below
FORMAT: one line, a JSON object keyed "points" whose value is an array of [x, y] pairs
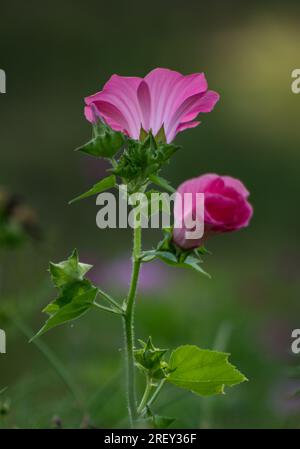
{"points": [[226, 207]]}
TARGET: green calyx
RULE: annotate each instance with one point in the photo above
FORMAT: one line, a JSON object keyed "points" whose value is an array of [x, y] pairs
{"points": [[141, 160], [105, 142]]}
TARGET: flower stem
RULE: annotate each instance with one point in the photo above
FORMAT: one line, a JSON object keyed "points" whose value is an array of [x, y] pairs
{"points": [[110, 299], [146, 395], [106, 309], [156, 392], [129, 326]]}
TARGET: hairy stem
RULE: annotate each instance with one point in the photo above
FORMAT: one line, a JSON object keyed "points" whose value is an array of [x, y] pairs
{"points": [[129, 326]]}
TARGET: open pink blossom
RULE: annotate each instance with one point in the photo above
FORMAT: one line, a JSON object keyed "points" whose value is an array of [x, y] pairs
{"points": [[163, 98], [226, 207]]}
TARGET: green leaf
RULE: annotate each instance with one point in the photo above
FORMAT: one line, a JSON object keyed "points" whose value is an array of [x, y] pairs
{"points": [[162, 422], [202, 371], [76, 294], [161, 182], [101, 186]]}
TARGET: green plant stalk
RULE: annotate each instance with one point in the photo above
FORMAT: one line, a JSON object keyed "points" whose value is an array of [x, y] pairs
{"points": [[129, 326], [146, 395], [156, 393]]}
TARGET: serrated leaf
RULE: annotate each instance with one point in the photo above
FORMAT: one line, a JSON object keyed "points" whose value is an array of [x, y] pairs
{"points": [[161, 182], [78, 306], [202, 371], [101, 186], [76, 294]]}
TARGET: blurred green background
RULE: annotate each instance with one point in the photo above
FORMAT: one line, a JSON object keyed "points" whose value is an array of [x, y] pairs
{"points": [[56, 53]]}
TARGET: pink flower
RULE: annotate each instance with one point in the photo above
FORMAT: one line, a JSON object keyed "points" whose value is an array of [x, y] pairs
{"points": [[163, 98], [226, 207]]}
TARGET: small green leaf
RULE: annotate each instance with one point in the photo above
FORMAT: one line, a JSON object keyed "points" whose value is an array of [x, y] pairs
{"points": [[162, 422], [202, 371], [76, 294], [161, 182], [101, 186]]}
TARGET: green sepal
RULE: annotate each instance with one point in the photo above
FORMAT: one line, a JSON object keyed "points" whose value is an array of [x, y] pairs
{"points": [[68, 271], [161, 182], [101, 186], [161, 136], [105, 143], [202, 371], [158, 421], [149, 359], [171, 254], [142, 159], [76, 293]]}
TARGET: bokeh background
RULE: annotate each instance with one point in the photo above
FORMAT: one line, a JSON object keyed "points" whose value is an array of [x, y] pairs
{"points": [[54, 54]]}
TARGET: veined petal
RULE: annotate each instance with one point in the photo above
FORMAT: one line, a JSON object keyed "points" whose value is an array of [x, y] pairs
{"points": [[187, 125], [112, 115], [121, 92], [163, 98], [169, 89], [189, 109], [144, 99]]}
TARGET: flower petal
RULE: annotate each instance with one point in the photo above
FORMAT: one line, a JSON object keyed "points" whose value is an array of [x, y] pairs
{"points": [[189, 109], [187, 125], [144, 98], [112, 115], [121, 93], [169, 89], [237, 185]]}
